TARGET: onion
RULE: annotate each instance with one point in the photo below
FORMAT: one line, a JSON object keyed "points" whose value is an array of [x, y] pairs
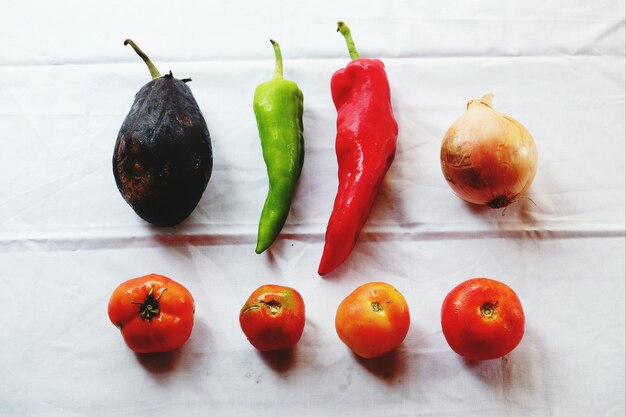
{"points": [[487, 157]]}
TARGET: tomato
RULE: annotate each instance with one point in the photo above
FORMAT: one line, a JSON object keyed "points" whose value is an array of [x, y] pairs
{"points": [[482, 319], [273, 317], [373, 320], [153, 312]]}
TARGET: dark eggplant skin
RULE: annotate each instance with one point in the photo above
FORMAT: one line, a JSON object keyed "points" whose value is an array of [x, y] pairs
{"points": [[163, 159]]}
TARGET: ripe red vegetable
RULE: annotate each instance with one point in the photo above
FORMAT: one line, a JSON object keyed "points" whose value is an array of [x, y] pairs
{"points": [[482, 319], [365, 147], [153, 312], [273, 317], [373, 320]]}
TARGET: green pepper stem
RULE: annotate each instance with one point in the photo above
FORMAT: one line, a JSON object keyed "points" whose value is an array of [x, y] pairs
{"points": [[278, 70], [153, 71], [345, 31]]}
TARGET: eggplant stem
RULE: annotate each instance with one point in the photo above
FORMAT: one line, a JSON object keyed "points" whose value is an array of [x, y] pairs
{"points": [[154, 72]]}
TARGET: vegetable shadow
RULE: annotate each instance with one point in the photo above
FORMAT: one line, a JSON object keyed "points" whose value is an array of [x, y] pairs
{"points": [[389, 367], [270, 258], [164, 363], [160, 362], [280, 361], [510, 375]]}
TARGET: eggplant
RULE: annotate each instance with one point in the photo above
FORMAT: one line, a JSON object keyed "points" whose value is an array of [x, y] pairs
{"points": [[162, 161]]}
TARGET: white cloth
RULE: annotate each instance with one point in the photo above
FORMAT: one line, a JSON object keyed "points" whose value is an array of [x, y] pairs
{"points": [[67, 238]]}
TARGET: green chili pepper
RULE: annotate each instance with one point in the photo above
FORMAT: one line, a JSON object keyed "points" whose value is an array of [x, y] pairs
{"points": [[278, 107]]}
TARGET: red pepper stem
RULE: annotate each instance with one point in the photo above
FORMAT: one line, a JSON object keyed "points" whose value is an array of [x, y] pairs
{"points": [[345, 31], [278, 71], [153, 71]]}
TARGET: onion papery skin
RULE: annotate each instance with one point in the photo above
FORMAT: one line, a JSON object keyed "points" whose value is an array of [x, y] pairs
{"points": [[487, 157]]}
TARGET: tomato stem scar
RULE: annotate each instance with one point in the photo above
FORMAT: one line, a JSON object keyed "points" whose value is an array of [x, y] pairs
{"points": [[488, 310], [376, 306], [150, 306], [273, 306]]}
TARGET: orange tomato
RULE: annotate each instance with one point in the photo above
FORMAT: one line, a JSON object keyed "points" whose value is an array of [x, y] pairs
{"points": [[153, 312], [373, 320], [273, 317], [482, 319]]}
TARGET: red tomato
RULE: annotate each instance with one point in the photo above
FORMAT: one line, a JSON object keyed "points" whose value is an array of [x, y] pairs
{"points": [[482, 319], [153, 312], [373, 320], [273, 317]]}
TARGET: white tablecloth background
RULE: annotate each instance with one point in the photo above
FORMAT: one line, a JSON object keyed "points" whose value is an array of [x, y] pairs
{"points": [[67, 238]]}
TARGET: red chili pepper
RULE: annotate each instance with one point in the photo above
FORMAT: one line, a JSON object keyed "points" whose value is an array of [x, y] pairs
{"points": [[365, 147]]}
